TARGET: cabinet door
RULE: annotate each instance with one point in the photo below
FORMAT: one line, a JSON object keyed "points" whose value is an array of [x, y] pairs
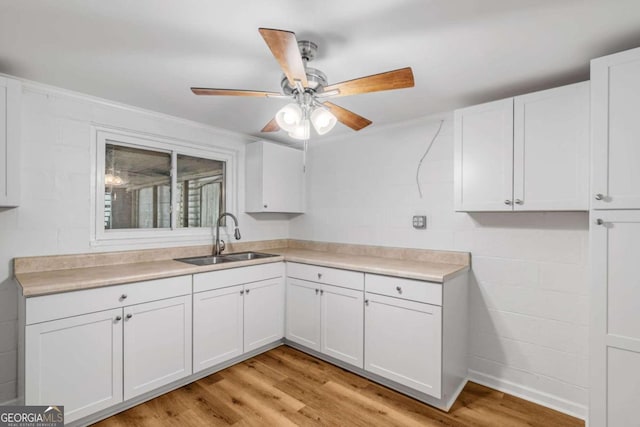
{"points": [[615, 102], [551, 149], [263, 313], [403, 342], [303, 313], [283, 177], [484, 157], [75, 362], [342, 324], [217, 326], [157, 344], [10, 112], [615, 318]]}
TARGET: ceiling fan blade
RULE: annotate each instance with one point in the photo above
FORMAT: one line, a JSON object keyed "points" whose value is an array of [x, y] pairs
{"points": [[396, 79], [272, 126], [233, 92], [347, 117], [284, 46]]}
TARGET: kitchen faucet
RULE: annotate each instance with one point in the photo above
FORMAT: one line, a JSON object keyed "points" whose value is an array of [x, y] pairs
{"points": [[219, 245]]}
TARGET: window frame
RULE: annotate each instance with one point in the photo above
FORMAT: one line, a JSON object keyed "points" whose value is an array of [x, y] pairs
{"points": [[152, 237]]}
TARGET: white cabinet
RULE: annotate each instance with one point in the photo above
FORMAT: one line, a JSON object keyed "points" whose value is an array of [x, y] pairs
{"points": [[274, 178], [342, 325], [403, 342], [326, 317], [303, 313], [75, 362], [263, 313], [236, 311], [10, 112], [217, 326], [484, 157], [615, 318], [90, 349], [416, 334], [615, 102], [157, 344], [528, 153]]}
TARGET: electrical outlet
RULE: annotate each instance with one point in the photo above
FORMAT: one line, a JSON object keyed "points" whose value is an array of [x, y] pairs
{"points": [[419, 222]]}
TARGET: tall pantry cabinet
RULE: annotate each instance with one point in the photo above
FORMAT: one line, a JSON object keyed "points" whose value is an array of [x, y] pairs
{"points": [[615, 240]]}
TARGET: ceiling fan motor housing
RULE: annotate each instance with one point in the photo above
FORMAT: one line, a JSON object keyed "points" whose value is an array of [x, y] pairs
{"points": [[316, 78]]}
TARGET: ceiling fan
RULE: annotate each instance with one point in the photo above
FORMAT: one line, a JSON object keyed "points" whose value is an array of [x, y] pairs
{"points": [[309, 89]]}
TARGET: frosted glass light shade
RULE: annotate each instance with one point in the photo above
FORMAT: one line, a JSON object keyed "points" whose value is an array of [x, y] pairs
{"points": [[289, 117], [302, 131], [323, 121]]}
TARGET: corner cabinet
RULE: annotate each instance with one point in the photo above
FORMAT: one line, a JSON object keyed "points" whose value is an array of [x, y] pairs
{"points": [[615, 102], [528, 153], [10, 113], [325, 311], [274, 178], [236, 311]]}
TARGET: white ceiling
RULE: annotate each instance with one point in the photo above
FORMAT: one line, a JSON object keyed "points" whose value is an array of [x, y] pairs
{"points": [[148, 53]]}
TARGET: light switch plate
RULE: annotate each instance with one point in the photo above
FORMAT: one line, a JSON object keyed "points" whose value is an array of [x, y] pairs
{"points": [[419, 222]]}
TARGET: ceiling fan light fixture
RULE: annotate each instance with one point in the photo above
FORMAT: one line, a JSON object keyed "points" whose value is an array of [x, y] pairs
{"points": [[289, 117], [302, 131], [322, 120]]}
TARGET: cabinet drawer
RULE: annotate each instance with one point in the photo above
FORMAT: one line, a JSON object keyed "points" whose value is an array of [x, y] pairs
{"points": [[58, 306], [412, 290], [236, 276], [330, 276]]}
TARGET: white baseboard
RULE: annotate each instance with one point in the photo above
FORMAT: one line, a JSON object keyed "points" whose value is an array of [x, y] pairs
{"points": [[532, 395], [11, 402]]}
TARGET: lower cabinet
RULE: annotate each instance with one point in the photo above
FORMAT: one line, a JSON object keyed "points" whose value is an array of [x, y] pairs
{"points": [[326, 318], [91, 361], [235, 312], [217, 326], [157, 344], [75, 362], [403, 342]]}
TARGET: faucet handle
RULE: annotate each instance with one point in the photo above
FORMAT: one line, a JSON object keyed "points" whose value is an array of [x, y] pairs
{"points": [[222, 246]]}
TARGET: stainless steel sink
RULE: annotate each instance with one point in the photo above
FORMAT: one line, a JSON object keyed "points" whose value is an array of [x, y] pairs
{"points": [[205, 260], [238, 256], [245, 256]]}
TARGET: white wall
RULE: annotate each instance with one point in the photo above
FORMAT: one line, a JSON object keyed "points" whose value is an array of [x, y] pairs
{"points": [[528, 296], [54, 214]]}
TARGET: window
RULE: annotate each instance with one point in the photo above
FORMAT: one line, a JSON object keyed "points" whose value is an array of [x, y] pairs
{"points": [[153, 189]]}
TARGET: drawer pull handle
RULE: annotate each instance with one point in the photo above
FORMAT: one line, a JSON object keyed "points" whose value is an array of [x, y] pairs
{"points": [[118, 318], [123, 296], [599, 221], [319, 276], [599, 196], [241, 292], [317, 290], [507, 202], [248, 291], [519, 202], [366, 302], [129, 316], [321, 292], [399, 289]]}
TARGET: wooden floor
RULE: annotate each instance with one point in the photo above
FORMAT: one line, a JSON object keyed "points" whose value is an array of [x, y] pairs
{"points": [[285, 387]]}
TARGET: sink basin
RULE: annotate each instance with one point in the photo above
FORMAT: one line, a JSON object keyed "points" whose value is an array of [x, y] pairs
{"points": [[245, 256], [238, 256], [205, 260]]}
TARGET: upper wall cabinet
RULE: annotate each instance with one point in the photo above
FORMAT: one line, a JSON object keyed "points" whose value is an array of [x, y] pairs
{"points": [[615, 103], [528, 153], [10, 108], [274, 178]]}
